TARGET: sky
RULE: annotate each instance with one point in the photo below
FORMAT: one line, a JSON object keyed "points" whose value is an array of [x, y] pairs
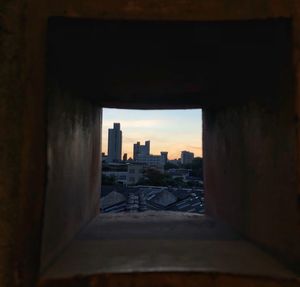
{"points": [[168, 130]]}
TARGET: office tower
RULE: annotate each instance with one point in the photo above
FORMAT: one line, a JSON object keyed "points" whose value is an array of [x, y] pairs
{"points": [[186, 157], [115, 143], [141, 150], [125, 157]]}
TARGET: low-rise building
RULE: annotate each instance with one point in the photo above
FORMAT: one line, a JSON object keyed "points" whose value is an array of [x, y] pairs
{"points": [[135, 173], [126, 174], [153, 160]]}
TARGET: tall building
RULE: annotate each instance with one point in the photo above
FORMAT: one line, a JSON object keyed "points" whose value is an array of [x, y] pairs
{"points": [[141, 154], [115, 143], [186, 157], [141, 150]]}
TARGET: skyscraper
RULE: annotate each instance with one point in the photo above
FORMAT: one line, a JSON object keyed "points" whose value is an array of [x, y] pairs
{"points": [[115, 143]]}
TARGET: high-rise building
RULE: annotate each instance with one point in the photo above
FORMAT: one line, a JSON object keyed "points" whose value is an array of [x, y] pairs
{"points": [[186, 157], [141, 150], [115, 143], [125, 157]]}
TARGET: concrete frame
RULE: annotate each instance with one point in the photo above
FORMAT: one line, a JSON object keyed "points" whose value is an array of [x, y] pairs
{"points": [[23, 143]]}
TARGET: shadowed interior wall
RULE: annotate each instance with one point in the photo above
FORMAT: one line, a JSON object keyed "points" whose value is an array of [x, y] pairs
{"points": [[73, 171], [22, 101], [250, 165], [240, 73]]}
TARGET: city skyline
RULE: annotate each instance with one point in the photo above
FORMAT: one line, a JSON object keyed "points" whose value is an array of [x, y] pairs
{"points": [[168, 130]]}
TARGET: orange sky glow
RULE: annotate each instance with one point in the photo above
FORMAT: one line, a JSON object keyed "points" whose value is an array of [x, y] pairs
{"points": [[168, 130]]}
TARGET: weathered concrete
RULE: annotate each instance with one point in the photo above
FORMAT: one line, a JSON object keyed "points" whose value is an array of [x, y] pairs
{"points": [[171, 279], [250, 164], [245, 85], [250, 174], [73, 169], [22, 126], [296, 62], [178, 64], [22, 151], [163, 242], [171, 10]]}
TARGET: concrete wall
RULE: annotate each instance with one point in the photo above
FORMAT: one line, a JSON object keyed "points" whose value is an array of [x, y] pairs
{"points": [[250, 174], [22, 150], [23, 26], [250, 153], [73, 168], [251, 162]]}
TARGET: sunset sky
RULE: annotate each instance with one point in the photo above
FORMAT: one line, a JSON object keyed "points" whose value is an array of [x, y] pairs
{"points": [[168, 130]]}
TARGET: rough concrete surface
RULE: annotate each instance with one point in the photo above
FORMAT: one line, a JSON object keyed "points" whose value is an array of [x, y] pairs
{"points": [[162, 242], [73, 170], [23, 28], [170, 279], [251, 175]]}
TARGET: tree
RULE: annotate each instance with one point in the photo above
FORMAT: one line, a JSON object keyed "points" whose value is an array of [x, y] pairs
{"points": [[108, 180], [154, 177], [196, 166], [170, 165]]}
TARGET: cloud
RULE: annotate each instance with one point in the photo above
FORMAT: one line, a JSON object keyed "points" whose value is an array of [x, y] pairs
{"points": [[139, 123], [195, 147], [129, 139], [172, 131]]}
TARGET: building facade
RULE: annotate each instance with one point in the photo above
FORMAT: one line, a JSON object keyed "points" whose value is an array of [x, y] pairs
{"points": [[115, 143], [186, 157], [150, 160], [135, 173], [126, 174], [141, 154], [141, 150], [164, 157]]}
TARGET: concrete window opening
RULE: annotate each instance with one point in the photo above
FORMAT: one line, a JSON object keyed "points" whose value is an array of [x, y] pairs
{"points": [[152, 161], [240, 74]]}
